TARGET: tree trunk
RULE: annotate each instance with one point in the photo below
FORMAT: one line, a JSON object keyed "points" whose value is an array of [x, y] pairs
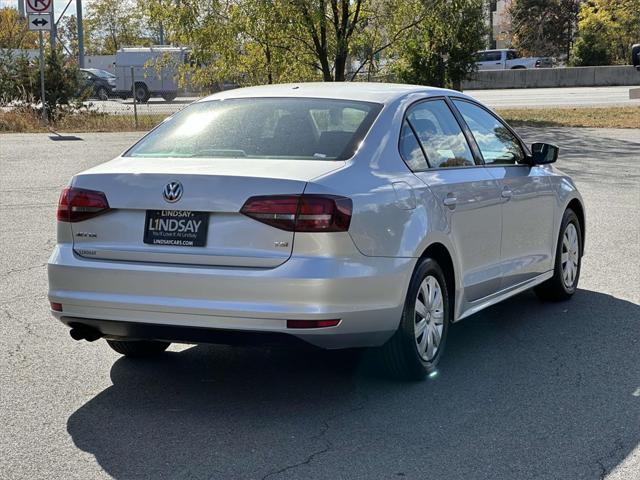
{"points": [[341, 64], [326, 68], [267, 54]]}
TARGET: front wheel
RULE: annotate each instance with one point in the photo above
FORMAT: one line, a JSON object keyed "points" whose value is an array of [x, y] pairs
{"points": [[102, 94], [417, 346], [138, 348], [568, 261]]}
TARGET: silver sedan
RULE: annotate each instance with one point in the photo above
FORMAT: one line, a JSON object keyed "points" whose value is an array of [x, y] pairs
{"points": [[340, 215]]}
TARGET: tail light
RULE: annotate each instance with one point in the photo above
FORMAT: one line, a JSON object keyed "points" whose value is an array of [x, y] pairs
{"points": [[77, 204], [301, 213]]}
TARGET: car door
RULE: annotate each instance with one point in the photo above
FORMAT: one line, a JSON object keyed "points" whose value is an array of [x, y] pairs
{"points": [[435, 148], [492, 60], [527, 196]]}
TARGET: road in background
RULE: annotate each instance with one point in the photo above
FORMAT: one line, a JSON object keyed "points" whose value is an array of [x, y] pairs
{"points": [[516, 98], [526, 389], [555, 97]]}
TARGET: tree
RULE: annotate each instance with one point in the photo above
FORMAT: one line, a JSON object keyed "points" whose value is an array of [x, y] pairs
{"points": [[261, 41], [67, 33], [112, 24], [606, 31], [14, 32], [16, 77], [62, 85], [544, 27], [441, 51]]}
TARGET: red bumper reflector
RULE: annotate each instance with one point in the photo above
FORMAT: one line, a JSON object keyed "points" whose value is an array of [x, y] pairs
{"points": [[312, 323], [56, 307]]}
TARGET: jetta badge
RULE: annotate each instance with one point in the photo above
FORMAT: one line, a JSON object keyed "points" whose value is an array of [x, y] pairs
{"points": [[172, 192]]}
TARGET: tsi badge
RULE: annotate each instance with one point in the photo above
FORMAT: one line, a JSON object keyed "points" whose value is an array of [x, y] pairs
{"points": [[172, 192]]}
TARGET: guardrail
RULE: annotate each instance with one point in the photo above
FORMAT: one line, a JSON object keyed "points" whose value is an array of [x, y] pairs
{"points": [[554, 77]]}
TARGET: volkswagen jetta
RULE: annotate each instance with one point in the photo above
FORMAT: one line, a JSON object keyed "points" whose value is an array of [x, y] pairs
{"points": [[341, 215]]}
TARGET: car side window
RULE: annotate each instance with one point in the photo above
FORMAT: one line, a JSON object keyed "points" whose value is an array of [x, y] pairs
{"points": [[496, 143], [440, 135], [493, 57], [410, 149], [511, 55]]}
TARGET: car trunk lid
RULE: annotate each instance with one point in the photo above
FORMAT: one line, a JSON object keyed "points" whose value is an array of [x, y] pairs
{"points": [[213, 192]]}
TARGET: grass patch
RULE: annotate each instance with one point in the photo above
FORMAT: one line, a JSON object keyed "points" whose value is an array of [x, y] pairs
{"points": [[604, 117], [27, 120]]}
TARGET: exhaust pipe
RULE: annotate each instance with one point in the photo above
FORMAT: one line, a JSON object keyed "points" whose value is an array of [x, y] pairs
{"points": [[82, 332]]}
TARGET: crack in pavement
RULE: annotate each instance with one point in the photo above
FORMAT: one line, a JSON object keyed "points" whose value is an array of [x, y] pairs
{"points": [[618, 446], [328, 444], [24, 269]]}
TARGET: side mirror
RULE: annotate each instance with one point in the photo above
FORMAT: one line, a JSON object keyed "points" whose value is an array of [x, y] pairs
{"points": [[543, 153]]}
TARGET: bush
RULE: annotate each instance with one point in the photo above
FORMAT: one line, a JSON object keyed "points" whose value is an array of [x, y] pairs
{"points": [[20, 83]]}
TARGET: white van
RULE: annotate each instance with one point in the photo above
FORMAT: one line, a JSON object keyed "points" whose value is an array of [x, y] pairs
{"points": [[155, 71]]}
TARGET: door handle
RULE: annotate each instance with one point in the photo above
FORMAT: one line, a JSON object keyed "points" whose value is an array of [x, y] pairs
{"points": [[450, 201], [506, 193]]}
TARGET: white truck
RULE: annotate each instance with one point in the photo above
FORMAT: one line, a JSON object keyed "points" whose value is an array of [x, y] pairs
{"points": [[155, 71], [507, 59]]}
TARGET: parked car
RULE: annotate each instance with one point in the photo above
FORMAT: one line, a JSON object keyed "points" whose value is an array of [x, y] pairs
{"points": [[507, 59], [341, 215], [155, 72], [100, 83]]}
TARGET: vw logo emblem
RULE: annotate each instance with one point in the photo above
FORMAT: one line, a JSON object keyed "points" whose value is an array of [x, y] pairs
{"points": [[172, 192]]}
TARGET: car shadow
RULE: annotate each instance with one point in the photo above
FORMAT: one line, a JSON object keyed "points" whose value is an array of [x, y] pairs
{"points": [[525, 390]]}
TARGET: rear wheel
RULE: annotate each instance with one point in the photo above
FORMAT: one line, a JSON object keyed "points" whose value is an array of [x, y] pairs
{"points": [[415, 349], [138, 348], [169, 96], [142, 93], [568, 261]]}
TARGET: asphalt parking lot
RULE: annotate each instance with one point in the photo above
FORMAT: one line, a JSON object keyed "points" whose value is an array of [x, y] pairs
{"points": [[526, 390]]}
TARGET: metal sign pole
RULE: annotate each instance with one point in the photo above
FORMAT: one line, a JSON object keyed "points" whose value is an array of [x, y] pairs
{"points": [[42, 97]]}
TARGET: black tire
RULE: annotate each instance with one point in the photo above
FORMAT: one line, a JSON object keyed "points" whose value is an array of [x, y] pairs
{"points": [[142, 93], [138, 348], [400, 356], [555, 289], [102, 93], [169, 96]]}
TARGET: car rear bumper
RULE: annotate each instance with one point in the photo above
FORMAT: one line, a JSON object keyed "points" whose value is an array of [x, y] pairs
{"points": [[365, 293]]}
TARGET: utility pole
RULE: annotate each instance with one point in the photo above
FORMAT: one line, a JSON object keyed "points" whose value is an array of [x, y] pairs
{"points": [[80, 33], [493, 6]]}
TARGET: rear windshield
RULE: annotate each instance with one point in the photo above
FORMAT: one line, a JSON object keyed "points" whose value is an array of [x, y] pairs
{"points": [[296, 128]]}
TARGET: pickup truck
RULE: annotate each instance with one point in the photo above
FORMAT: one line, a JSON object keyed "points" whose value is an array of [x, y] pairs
{"points": [[507, 59]]}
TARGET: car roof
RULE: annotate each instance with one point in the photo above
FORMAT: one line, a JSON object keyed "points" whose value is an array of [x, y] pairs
{"points": [[362, 91]]}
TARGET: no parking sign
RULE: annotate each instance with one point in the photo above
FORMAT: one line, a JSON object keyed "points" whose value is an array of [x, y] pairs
{"points": [[39, 6]]}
